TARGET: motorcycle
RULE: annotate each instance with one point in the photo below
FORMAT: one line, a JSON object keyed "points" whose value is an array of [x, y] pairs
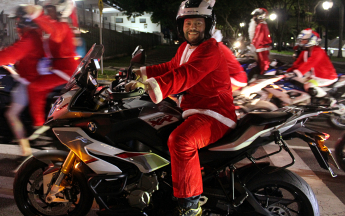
{"points": [[248, 100], [289, 91], [9, 78], [339, 152], [119, 156]]}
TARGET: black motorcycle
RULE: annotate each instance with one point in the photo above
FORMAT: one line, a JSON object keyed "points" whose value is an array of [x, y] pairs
{"points": [[119, 156], [8, 80]]}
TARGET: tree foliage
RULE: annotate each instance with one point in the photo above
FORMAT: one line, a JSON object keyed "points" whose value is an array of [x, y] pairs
{"points": [[293, 15]]}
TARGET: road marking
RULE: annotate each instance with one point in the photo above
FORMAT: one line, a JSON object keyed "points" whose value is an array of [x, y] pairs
{"points": [[13, 149], [329, 203]]}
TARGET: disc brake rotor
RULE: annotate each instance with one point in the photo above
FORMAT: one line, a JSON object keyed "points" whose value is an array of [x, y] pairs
{"points": [[37, 199], [279, 209]]}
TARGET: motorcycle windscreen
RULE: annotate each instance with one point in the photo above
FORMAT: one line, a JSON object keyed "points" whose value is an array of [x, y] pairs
{"points": [[95, 52]]}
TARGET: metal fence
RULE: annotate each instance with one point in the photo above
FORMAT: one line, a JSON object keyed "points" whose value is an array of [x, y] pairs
{"points": [[118, 40]]}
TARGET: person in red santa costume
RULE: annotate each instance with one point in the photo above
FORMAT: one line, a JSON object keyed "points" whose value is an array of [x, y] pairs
{"points": [[200, 70], [237, 75], [313, 59], [60, 52], [259, 35], [25, 53]]}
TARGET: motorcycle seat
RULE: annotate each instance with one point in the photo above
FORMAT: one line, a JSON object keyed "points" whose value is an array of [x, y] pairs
{"points": [[253, 118]]}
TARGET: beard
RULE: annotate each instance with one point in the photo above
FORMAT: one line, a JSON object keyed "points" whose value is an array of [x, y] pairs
{"points": [[251, 29], [194, 40]]}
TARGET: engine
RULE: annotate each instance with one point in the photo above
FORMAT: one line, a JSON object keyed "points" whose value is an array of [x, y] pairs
{"points": [[140, 193]]}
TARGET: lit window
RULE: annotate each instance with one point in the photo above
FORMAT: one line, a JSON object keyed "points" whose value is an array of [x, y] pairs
{"points": [[142, 20]]}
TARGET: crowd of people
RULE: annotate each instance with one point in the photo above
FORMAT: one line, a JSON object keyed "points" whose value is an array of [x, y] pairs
{"points": [[204, 72]]}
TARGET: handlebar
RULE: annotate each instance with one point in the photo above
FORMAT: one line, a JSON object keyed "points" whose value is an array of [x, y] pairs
{"points": [[135, 93]]}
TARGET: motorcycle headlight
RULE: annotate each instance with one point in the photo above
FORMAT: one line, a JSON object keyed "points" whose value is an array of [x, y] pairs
{"points": [[237, 44], [55, 105]]}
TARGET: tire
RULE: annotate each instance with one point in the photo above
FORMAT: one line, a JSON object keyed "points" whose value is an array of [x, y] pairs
{"points": [[28, 192], [284, 184], [339, 152], [338, 121]]}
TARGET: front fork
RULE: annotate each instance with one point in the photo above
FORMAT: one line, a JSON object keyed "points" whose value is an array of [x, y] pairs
{"points": [[56, 188]]}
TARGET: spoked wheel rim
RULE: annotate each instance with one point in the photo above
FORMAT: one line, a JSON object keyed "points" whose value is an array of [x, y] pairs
{"points": [[36, 197], [279, 200]]}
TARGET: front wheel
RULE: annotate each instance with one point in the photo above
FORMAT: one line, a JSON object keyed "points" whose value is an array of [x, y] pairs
{"points": [[284, 193], [339, 152], [30, 198]]}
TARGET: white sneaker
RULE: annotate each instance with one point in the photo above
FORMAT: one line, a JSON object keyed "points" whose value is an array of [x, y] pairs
{"points": [[38, 132]]}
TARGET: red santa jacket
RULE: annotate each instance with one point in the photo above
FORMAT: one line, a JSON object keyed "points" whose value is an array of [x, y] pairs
{"points": [[25, 53], [262, 39], [204, 79], [237, 75], [60, 44], [318, 63]]}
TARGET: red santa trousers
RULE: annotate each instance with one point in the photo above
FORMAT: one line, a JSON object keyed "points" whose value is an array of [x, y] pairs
{"points": [[264, 60], [38, 91], [195, 132]]}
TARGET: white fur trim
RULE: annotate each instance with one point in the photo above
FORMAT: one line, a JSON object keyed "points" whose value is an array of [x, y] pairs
{"points": [[217, 35], [37, 12], [263, 49], [228, 122], [298, 73], [61, 74], [251, 29], [184, 54], [156, 93], [237, 83], [305, 56]]}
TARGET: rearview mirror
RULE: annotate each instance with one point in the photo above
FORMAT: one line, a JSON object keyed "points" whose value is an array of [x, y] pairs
{"points": [[138, 56]]}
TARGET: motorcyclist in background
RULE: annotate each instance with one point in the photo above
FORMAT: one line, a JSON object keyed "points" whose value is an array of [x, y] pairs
{"points": [[314, 60], [237, 75], [199, 69], [25, 53], [259, 35], [60, 50]]}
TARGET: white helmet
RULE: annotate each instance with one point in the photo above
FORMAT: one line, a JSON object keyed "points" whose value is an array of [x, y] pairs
{"points": [[63, 7], [308, 34], [195, 9], [260, 13]]}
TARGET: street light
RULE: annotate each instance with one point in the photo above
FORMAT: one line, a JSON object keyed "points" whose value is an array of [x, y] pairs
{"points": [[273, 16], [242, 24], [326, 6]]}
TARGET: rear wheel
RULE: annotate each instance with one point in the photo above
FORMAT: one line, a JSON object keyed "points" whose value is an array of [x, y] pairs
{"points": [[284, 193], [30, 198]]}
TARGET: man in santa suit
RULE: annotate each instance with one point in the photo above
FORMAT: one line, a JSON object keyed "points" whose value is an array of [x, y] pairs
{"points": [[199, 69], [259, 35], [237, 75], [60, 51], [25, 53], [313, 59]]}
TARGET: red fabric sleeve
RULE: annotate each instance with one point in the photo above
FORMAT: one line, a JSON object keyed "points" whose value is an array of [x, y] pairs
{"points": [[313, 60], [57, 30], [203, 61], [298, 61], [258, 36], [16, 52], [233, 65], [157, 70]]}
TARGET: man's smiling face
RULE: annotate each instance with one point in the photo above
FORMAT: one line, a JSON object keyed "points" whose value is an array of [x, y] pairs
{"points": [[194, 30]]}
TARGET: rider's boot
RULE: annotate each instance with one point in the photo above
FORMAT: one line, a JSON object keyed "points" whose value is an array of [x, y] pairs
{"points": [[188, 207]]}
